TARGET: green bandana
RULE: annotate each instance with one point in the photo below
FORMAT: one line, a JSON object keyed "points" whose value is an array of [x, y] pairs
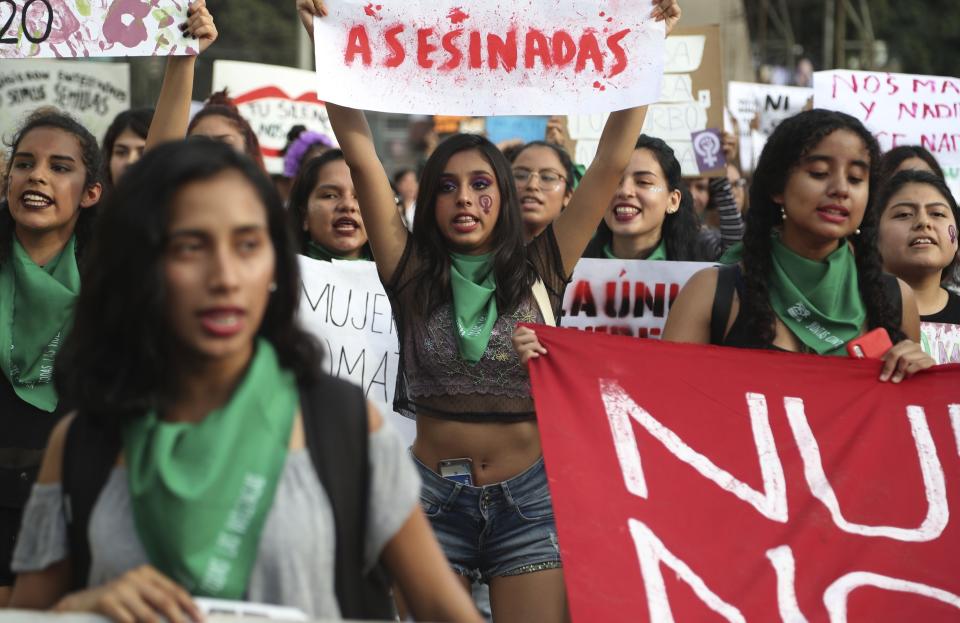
{"points": [[201, 491], [319, 252], [474, 304], [36, 308], [732, 255], [818, 301], [659, 252]]}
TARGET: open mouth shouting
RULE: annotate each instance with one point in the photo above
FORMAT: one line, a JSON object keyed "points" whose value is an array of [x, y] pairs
{"points": [[530, 203], [465, 223], [346, 226], [33, 200]]}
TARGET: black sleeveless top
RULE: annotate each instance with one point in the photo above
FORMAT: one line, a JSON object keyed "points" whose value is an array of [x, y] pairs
{"points": [[949, 314], [730, 279]]}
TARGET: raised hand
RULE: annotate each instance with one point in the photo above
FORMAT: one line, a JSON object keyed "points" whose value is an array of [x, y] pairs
{"points": [[199, 25], [307, 10], [667, 11]]}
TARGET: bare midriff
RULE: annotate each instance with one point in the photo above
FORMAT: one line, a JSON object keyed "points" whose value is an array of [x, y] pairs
{"points": [[499, 451]]}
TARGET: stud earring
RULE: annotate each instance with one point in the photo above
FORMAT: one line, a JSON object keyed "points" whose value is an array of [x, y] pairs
{"points": [[783, 213], [857, 232]]}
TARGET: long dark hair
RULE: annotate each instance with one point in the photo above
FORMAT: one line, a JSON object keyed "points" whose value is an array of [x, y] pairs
{"points": [[221, 105], [789, 143], [680, 229], [514, 278], [138, 121], [116, 361], [89, 153], [303, 186], [898, 155], [901, 179]]}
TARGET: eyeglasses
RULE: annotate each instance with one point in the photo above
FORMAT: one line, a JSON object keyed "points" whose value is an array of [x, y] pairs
{"points": [[550, 179], [740, 183]]}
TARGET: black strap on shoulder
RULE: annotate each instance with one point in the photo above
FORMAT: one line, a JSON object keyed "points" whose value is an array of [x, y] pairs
{"points": [[891, 288], [723, 301], [89, 453], [336, 431]]}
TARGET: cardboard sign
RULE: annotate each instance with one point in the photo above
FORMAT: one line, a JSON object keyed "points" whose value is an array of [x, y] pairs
{"points": [[698, 483], [900, 109], [488, 58], [93, 93], [941, 341], [85, 28], [624, 297], [273, 99], [691, 98], [758, 109]]}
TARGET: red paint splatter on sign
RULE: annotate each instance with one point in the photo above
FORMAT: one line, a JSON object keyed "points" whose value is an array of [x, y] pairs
{"points": [[371, 10], [456, 15], [597, 85]]}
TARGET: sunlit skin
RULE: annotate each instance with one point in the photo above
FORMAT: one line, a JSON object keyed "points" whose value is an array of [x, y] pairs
{"points": [[825, 195], [333, 215], [913, 164], [540, 201], [918, 239], [638, 209], [221, 129], [127, 149], [46, 190], [217, 268], [468, 203]]}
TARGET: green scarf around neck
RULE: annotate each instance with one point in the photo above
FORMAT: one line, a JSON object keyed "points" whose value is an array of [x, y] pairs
{"points": [[319, 252], [819, 301], [659, 252], [474, 302], [201, 491], [36, 309]]}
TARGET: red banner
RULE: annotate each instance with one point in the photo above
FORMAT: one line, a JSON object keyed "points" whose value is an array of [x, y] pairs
{"points": [[696, 483]]}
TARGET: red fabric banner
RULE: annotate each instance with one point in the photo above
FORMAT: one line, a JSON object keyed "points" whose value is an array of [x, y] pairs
{"points": [[696, 483]]}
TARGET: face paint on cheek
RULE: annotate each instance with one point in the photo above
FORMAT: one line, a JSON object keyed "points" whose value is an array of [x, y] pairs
{"points": [[953, 234], [486, 203], [656, 189]]}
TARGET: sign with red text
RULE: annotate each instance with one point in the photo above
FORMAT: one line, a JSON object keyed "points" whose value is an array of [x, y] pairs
{"points": [[941, 341], [93, 93], [900, 109], [273, 99], [690, 100], [624, 297], [488, 58], [86, 28], [700, 483]]}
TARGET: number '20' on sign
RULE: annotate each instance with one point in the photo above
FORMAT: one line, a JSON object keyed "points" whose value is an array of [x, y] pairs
{"points": [[36, 20]]}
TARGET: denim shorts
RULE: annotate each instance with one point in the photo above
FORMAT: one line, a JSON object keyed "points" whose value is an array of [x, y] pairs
{"points": [[495, 530]]}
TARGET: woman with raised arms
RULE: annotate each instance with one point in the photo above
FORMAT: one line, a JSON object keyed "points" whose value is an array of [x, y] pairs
{"points": [[459, 284]]}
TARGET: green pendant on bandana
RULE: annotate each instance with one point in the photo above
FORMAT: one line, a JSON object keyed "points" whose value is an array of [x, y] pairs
{"points": [[201, 491], [36, 308], [659, 252], [319, 252], [819, 301], [474, 302]]}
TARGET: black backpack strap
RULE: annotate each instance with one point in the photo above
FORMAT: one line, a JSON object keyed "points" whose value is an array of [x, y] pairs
{"points": [[89, 454], [723, 301], [891, 287], [336, 431]]}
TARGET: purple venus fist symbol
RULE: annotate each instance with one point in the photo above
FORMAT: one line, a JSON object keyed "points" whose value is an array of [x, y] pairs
{"points": [[486, 203], [953, 234]]}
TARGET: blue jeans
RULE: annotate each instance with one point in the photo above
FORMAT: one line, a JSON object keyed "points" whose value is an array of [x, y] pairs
{"points": [[495, 530]]}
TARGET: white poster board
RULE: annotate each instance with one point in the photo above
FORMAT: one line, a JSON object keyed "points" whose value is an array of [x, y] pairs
{"points": [[759, 109], [941, 341], [90, 28], [94, 93], [488, 58], [624, 297], [273, 99]]}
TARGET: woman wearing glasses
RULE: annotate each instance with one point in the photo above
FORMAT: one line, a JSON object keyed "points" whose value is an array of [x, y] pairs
{"points": [[544, 175]]}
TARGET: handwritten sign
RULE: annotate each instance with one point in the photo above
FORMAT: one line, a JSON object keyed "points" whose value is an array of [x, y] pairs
{"points": [[690, 100], [941, 341], [759, 109], [94, 93], [273, 99], [624, 297], [488, 58], [900, 109], [86, 28]]}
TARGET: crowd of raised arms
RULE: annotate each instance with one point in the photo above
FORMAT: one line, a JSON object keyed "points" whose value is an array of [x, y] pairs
{"points": [[149, 287]]}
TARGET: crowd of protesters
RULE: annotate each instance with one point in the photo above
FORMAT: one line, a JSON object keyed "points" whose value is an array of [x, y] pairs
{"points": [[168, 432]]}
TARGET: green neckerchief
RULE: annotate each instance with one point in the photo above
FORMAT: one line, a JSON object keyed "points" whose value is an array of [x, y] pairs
{"points": [[732, 255], [819, 301], [319, 252], [659, 253], [36, 308], [474, 304], [201, 491]]}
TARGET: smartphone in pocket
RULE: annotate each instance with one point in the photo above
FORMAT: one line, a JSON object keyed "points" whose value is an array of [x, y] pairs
{"points": [[457, 470], [872, 345]]}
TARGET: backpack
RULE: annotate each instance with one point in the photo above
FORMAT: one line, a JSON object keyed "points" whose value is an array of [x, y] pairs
{"points": [[332, 410]]}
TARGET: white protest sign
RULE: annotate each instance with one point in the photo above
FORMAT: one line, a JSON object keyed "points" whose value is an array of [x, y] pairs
{"points": [[900, 109], [941, 341], [86, 28], [273, 99], [93, 93], [758, 109], [624, 297], [344, 305], [488, 58]]}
